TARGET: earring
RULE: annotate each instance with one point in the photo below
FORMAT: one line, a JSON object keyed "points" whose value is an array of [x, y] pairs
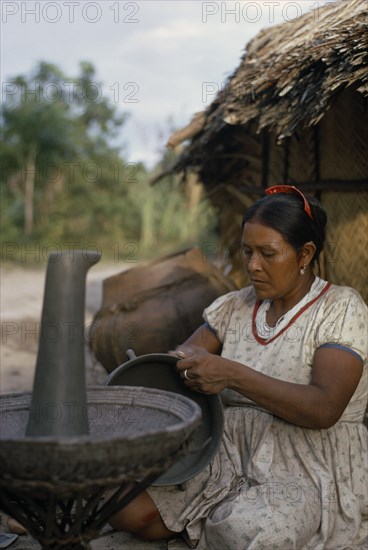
{"points": [[302, 270]]}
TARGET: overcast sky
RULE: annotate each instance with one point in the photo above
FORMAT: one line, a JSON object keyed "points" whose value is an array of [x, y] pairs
{"points": [[158, 60]]}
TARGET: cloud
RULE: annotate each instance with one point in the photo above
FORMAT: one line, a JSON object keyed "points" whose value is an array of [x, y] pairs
{"points": [[153, 56]]}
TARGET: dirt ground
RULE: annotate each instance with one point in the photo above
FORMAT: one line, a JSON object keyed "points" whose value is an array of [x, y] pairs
{"points": [[21, 299]]}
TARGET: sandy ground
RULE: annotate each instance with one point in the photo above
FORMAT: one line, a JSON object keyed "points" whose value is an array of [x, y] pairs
{"points": [[21, 293], [21, 299]]}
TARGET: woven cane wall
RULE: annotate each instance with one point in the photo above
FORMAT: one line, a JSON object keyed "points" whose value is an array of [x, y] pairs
{"points": [[346, 249], [343, 156]]}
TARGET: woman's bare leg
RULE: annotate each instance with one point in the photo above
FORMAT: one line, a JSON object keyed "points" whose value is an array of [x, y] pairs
{"points": [[141, 518]]}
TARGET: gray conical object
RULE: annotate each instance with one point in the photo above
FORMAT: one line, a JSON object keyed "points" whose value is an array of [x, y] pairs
{"points": [[59, 401]]}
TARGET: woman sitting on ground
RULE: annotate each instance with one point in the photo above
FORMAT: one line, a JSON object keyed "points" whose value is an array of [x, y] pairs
{"points": [[288, 355]]}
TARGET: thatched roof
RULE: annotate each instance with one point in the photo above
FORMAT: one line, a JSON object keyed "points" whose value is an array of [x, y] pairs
{"points": [[289, 76], [294, 111]]}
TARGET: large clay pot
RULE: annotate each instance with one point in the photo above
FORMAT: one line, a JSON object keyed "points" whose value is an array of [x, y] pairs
{"points": [[154, 307]]}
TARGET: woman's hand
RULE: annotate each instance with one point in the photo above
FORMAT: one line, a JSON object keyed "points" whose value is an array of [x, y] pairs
{"points": [[317, 405], [201, 371]]}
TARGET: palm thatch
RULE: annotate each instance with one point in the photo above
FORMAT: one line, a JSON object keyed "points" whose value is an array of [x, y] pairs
{"points": [[290, 74], [294, 111]]}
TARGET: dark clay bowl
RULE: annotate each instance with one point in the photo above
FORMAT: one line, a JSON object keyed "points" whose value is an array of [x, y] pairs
{"points": [[157, 370]]}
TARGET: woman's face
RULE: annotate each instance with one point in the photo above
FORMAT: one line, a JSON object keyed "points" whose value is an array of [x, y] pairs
{"points": [[272, 264]]}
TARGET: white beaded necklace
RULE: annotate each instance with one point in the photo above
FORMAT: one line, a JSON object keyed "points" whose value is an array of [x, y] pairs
{"points": [[265, 331]]}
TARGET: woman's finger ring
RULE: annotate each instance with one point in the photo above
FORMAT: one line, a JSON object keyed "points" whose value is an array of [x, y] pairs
{"points": [[186, 374]]}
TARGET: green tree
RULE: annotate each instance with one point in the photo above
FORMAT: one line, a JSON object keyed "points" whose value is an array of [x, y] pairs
{"points": [[52, 127], [63, 181]]}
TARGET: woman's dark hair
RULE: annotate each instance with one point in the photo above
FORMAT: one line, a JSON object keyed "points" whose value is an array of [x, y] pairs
{"points": [[285, 213]]}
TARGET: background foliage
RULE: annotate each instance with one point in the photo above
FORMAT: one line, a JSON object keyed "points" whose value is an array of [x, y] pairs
{"points": [[64, 179]]}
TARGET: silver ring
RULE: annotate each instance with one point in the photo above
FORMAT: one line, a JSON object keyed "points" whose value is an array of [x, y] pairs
{"points": [[186, 374]]}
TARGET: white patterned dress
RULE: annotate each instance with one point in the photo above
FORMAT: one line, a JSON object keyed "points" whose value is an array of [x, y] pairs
{"points": [[274, 485]]}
